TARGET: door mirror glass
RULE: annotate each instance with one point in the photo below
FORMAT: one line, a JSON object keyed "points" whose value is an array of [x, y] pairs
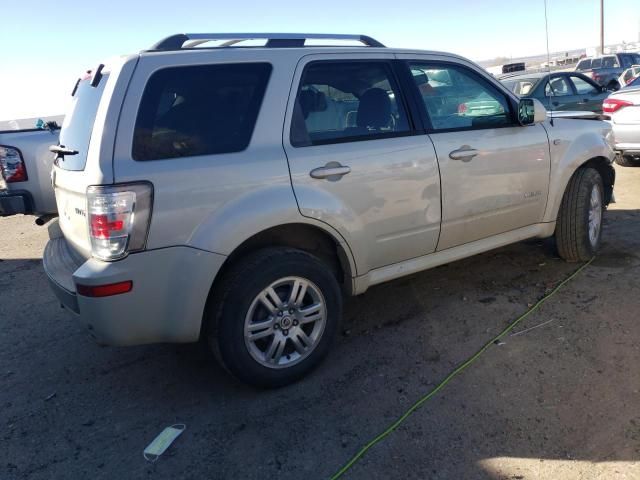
{"points": [[526, 111], [531, 111]]}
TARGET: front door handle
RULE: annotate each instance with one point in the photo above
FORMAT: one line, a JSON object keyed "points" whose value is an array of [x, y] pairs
{"points": [[464, 153], [332, 171]]}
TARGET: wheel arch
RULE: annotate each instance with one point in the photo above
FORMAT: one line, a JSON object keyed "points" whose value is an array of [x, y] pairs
{"points": [[605, 169], [607, 173], [304, 236], [310, 238]]}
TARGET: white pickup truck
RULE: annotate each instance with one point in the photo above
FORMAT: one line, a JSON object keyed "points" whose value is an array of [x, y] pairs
{"points": [[25, 166]]}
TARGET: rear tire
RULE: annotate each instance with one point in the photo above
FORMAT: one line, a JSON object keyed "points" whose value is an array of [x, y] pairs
{"points": [[274, 317], [579, 225], [613, 85], [628, 161]]}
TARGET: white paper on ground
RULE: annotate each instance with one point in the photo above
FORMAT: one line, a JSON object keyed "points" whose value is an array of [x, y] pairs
{"points": [[163, 441]]}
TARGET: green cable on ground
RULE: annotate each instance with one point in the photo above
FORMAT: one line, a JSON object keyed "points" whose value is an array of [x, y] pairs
{"points": [[454, 373]]}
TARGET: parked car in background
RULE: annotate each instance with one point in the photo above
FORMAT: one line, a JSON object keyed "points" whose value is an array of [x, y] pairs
{"points": [[559, 90], [629, 75], [623, 109], [25, 166], [633, 83], [606, 70], [236, 194]]}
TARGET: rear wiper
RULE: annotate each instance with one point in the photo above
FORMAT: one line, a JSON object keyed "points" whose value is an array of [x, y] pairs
{"points": [[61, 150]]}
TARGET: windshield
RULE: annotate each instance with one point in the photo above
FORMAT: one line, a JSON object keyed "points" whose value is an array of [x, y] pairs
{"points": [[630, 59], [521, 86], [78, 123]]}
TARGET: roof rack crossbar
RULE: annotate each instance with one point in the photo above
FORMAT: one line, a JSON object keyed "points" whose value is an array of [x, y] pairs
{"points": [[278, 40]]}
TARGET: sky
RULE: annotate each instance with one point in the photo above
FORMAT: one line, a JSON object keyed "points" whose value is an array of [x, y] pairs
{"points": [[45, 46]]}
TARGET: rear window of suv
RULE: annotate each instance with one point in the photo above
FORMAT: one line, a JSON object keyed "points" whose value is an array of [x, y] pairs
{"points": [[199, 110], [78, 123]]}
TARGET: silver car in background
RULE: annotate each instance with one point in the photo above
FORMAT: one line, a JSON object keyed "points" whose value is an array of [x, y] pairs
{"points": [[623, 109]]}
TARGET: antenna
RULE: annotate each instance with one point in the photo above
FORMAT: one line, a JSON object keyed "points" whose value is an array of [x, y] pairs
{"points": [[546, 28]]}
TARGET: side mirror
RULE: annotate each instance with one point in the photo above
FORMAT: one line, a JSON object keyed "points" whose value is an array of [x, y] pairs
{"points": [[531, 111]]}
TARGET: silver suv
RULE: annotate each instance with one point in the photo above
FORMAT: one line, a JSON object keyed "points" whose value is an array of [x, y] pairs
{"points": [[212, 190]]}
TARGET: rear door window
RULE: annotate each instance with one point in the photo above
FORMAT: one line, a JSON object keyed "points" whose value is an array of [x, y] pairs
{"points": [[596, 63], [78, 122], [347, 101], [610, 62], [199, 110]]}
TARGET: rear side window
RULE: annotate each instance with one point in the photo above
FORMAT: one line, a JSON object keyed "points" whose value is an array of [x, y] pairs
{"points": [[78, 122], [199, 110], [610, 62], [596, 63], [584, 64], [347, 101], [521, 87]]}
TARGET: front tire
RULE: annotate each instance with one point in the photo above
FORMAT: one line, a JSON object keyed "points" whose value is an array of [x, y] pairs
{"points": [[275, 316], [579, 225]]}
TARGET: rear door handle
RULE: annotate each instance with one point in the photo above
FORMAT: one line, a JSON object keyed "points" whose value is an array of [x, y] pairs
{"points": [[332, 171], [464, 153]]}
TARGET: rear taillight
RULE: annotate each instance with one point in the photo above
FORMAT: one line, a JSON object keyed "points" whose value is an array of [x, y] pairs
{"points": [[118, 218], [612, 105], [12, 167]]}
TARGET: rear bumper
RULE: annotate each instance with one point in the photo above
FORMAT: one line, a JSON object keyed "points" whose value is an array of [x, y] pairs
{"points": [[166, 303], [627, 138], [15, 203]]}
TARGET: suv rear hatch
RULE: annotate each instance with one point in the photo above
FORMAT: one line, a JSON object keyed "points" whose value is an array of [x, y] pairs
{"points": [[85, 150]]}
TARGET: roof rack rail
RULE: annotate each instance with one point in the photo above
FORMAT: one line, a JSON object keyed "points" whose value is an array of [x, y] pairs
{"points": [[274, 40]]}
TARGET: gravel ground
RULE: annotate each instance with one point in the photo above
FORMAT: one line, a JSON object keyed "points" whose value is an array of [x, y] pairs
{"points": [[559, 401]]}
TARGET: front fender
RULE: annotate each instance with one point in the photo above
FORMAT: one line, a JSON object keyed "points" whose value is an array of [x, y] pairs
{"points": [[572, 144]]}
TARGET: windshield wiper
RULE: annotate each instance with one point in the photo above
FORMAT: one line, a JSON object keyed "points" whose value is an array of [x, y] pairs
{"points": [[61, 150]]}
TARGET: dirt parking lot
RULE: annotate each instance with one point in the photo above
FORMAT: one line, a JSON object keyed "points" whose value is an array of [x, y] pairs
{"points": [[557, 402]]}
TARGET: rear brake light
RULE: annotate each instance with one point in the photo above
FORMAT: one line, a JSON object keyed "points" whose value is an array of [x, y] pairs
{"points": [[104, 290], [612, 105], [12, 167], [118, 218]]}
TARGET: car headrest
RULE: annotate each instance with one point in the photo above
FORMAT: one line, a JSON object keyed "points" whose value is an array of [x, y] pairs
{"points": [[312, 101], [374, 110]]}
